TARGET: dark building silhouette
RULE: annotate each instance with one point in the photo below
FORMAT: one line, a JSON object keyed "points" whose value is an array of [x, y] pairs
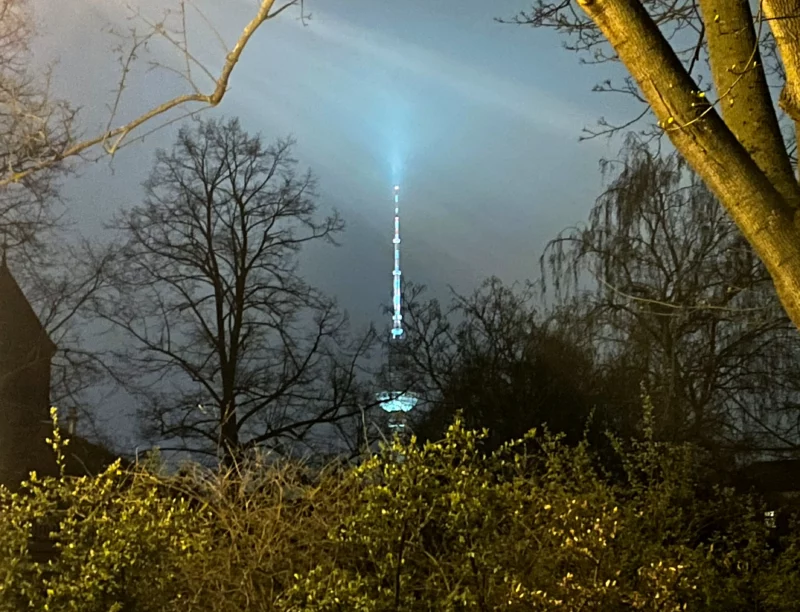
{"points": [[26, 352], [776, 480]]}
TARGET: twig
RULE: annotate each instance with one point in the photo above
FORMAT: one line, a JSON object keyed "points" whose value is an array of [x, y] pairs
{"points": [[120, 133]]}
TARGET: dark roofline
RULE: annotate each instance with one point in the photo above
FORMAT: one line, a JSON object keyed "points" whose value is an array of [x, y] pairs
{"points": [[777, 475], [5, 275]]}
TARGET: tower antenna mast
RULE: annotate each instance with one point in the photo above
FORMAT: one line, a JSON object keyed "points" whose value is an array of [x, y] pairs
{"points": [[397, 316]]}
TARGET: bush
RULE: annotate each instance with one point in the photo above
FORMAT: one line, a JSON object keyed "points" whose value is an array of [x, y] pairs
{"points": [[448, 529], [117, 540], [536, 525]]}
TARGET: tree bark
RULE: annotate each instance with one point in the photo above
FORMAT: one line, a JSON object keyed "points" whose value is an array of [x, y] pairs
{"points": [[784, 20], [762, 214], [744, 97]]}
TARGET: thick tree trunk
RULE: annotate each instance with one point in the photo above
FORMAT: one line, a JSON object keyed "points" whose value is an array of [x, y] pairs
{"points": [[784, 20], [744, 98], [229, 435], [756, 205]]}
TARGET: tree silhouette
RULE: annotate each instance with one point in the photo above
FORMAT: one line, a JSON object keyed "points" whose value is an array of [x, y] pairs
{"points": [[676, 298], [227, 347], [728, 132], [507, 367]]}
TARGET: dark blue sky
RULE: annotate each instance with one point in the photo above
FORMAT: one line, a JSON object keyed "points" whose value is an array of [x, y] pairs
{"points": [[477, 121]]}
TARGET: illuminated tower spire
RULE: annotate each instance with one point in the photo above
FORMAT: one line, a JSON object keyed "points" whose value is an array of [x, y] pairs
{"points": [[397, 317], [397, 401]]}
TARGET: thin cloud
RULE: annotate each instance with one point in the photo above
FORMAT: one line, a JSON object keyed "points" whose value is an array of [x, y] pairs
{"points": [[536, 107]]}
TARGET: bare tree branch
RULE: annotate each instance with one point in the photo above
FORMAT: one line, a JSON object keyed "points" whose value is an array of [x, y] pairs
{"points": [[23, 167]]}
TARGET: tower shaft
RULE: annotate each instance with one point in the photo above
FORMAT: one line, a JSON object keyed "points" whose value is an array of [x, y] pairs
{"points": [[397, 316]]}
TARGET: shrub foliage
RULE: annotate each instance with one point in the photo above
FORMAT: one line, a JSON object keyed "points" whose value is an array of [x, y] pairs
{"points": [[536, 525]]}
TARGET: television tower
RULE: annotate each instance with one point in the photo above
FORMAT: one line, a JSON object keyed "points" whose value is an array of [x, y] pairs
{"points": [[397, 317], [397, 402]]}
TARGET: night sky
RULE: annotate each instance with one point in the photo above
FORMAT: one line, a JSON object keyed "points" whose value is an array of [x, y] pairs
{"points": [[477, 121]]}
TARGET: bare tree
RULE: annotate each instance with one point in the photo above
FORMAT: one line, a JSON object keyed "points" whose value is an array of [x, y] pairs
{"points": [[33, 230], [40, 132], [504, 364], [227, 347], [731, 134], [38, 135], [677, 298]]}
